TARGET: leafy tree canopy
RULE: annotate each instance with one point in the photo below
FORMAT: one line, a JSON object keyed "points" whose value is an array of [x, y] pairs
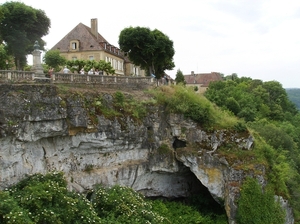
{"points": [[101, 65], [249, 98], [53, 59], [150, 49], [20, 27], [5, 59]]}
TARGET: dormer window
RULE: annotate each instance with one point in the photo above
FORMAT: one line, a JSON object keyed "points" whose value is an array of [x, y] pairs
{"points": [[74, 45]]}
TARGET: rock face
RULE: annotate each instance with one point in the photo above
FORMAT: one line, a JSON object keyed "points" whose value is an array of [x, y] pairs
{"points": [[41, 132]]}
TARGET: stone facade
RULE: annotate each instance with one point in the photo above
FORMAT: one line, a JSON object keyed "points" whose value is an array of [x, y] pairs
{"points": [[85, 43]]}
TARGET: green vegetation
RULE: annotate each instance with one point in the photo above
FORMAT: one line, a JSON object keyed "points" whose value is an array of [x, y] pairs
{"points": [[257, 205], [21, 26], [54, 60], [180, 77], [45, 199], [116, 106], [182, 100], [164, 149], [294, 96], [6, 60], [274, 122], [252, 99], [150, 49], [101, 65]]}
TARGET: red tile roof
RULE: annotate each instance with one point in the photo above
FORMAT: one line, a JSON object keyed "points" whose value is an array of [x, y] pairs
{"points": [[203, 78]]}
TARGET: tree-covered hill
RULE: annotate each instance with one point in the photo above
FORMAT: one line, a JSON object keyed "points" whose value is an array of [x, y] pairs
{"points": [[268, 112], [294, 96]]}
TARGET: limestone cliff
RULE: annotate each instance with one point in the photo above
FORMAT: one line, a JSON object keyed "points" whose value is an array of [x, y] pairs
{"points": [[162, 155]]}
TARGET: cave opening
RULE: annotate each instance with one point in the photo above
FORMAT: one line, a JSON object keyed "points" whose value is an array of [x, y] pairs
{"points": [[177, 143], [198, 195]]}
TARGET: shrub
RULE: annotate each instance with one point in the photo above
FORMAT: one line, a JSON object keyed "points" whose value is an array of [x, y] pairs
{"points": [[45, 199], [256, 206], [182, 100], [123, 205]]}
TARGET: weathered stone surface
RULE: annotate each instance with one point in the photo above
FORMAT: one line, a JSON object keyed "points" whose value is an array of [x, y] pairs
{"points": [[42, 132]]}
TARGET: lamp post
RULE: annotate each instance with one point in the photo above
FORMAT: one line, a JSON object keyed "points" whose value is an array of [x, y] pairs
{"points": [[6, 61]]}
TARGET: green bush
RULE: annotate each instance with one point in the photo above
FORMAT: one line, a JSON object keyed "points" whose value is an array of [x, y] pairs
{"points": [[119, 98], [257, 206], [45, 199], [123, 205], [182, 100]]}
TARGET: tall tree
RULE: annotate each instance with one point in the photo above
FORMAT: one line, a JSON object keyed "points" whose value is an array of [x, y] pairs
{"points": [[179, 77], [20, 27], [152, 50]]}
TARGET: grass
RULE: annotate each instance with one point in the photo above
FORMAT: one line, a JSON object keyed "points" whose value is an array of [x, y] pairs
{"points": [[183, 100]]}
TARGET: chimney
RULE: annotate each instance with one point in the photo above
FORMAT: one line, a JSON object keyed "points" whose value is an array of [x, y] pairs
{"points": [[94, 27]]}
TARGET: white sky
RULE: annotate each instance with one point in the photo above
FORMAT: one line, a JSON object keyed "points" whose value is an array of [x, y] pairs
{"points": [[253, 38]]}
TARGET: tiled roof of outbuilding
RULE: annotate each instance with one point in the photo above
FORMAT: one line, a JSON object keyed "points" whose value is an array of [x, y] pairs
{"points": [[203, 78]]}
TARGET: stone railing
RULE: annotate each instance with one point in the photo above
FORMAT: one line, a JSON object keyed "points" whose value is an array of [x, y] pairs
{"points": [[15, 76], [30, 77]]}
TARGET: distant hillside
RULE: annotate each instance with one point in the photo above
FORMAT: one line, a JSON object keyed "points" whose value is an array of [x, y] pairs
{"points": [[294, 96]]}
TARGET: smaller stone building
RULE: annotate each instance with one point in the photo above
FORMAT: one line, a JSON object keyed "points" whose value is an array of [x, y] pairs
{"points": [[85, 43]]}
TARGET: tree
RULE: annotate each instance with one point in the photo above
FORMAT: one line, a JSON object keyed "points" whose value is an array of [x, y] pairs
{"points": [[105, 67], [232, 105], [5, 59], [53, 59], [101, 65], [152, 50], [180, 77], [20, 27], [258, 206]]}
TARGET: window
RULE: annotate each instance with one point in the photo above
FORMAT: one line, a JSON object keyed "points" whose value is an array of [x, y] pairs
{"points": [[74, 45], [120, 65], [135, 71], [74, 58], [91, 58]]}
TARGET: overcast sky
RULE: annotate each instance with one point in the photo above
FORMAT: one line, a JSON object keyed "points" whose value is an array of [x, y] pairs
{"points": [[253, 38]]}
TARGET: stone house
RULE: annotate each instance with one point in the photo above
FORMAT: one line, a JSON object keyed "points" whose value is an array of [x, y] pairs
{"points": [[85, 43], [202, 80]]}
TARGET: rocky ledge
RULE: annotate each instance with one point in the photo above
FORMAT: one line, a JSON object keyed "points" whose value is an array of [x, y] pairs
{"points": [[163, 155]]}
